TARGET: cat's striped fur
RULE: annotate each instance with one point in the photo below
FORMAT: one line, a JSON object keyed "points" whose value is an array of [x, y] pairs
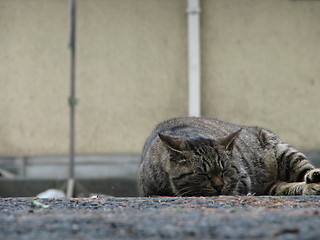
{"points": [[191, 156]]}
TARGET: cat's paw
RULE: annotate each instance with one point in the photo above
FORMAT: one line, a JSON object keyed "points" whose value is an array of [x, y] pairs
{"points": [[311, 189], [313, 176]]}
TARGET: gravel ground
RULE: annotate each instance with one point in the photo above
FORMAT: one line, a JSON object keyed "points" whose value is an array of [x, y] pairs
{"points": [[223, 217]]}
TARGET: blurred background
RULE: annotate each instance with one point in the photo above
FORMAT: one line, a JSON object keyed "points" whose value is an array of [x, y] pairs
{"points": [[259, 65]]}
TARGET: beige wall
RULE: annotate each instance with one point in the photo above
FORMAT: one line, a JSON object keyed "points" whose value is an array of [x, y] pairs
{"points": [[260, 65], [132, 71], [33, 77], [132, 66]]}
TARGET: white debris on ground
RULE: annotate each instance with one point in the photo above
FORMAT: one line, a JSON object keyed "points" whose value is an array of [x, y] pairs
{"points": [[52, 193]]}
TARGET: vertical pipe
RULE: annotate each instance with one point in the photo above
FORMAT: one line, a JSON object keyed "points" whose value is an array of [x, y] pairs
{"points": [[72, 98], [194, 76]]}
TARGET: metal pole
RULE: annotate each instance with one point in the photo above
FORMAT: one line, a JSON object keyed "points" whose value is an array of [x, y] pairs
{"points": [[194, 74], [72, 98]]}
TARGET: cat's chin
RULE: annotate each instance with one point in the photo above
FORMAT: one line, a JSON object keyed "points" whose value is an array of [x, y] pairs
{"points": [[227, 192]]}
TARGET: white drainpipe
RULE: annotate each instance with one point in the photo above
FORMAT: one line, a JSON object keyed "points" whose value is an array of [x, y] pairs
{"points": [[193, 11]]}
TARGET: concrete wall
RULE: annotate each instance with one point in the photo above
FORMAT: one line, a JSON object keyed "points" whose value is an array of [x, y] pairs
{"points": [[132, 71], [260, 65]]}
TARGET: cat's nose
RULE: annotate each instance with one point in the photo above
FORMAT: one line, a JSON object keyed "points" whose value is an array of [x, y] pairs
{"points": [[217, 183]]}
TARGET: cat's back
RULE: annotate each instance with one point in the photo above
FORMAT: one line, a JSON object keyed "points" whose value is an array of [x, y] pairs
{"points": [[191, 126]]}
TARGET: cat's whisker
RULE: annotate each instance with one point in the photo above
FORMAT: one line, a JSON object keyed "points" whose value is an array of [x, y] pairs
{"points": [[183, 191], [186, 193]]}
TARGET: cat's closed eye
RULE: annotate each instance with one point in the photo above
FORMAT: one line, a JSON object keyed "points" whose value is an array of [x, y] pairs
{"points": [[203, 176], [183, 175]]}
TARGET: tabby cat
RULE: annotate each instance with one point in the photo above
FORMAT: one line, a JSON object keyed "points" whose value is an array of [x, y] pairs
{"points": [[192, 156]]}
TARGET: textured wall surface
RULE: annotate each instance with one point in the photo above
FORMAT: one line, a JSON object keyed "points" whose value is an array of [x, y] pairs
{"points": [[260, 65], [34, 77], [131, 73]]}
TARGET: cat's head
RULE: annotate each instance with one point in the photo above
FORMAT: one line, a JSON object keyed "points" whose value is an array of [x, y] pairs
{"points": [[201, 166]]}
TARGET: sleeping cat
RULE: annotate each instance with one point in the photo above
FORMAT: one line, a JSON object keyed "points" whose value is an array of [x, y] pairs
{"points": [[192, 156]]}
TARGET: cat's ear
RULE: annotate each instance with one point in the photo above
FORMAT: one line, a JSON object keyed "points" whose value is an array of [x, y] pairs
{"points": [[175, 143], [264, 137], [228, 141]]}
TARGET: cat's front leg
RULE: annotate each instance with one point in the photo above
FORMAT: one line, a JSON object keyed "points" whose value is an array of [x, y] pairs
{"points": [[312, 180], [313, 176], [287, 189], [311, 189]]}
